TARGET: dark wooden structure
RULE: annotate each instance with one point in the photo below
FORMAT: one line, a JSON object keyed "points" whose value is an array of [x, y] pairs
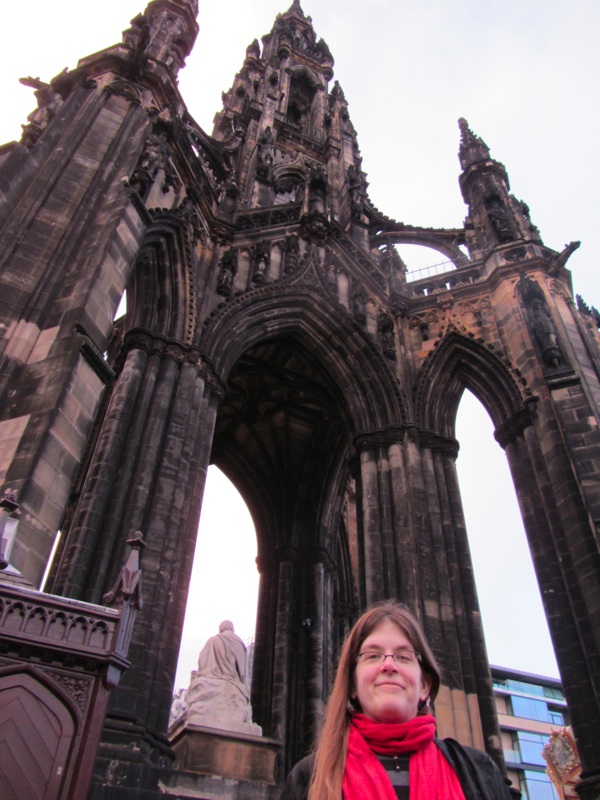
{"points": [[59, 661], [271, 330]]}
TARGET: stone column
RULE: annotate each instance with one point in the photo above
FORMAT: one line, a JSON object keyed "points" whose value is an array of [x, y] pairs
{"points": [[564, 553], [416, 551], [283, 635], [151, 460]]}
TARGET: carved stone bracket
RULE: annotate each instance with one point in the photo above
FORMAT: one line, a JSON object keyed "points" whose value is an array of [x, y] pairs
{"points": [[396, 434], [125, 89], [156, 344], [443, 445], [515, 425], [383, 437]]}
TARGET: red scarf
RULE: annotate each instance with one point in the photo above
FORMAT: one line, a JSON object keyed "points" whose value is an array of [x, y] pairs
{"points": [[431, 776]]}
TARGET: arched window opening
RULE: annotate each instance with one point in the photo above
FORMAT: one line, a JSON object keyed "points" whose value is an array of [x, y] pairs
{"points": [[424, 262], [513, 617], [122, 307], [299, 107], [224, 581]]}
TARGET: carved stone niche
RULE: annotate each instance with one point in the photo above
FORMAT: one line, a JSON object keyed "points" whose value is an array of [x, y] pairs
{"points": [[261, 258], [59, 661], [540, 323], [227, 272]]}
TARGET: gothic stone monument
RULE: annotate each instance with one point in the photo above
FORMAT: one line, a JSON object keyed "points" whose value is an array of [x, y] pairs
{"points": [[271, 330]]}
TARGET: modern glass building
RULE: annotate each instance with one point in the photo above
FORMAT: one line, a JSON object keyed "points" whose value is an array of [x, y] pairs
{"points": [[529, 708]]}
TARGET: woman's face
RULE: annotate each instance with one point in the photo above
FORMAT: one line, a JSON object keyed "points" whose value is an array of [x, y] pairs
{"points": [[389, 691]]}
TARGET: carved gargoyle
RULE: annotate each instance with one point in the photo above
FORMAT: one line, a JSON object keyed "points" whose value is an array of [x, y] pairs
{"points": [[560, 259], [48, 102]]}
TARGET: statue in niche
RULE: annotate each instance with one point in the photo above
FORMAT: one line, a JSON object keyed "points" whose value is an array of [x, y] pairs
{"points": [[154, 157], [356, 192], [292, 253], [227, 273], [386, 332], [229, 195], [260, 264], [218, 695], [500, 219], [48, 102], [359, 304], [317, 192], [543, 328], [331, 273], [540, 321], [266, 153]]}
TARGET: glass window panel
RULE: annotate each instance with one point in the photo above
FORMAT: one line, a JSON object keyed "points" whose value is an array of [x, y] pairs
{"points": [[539, 786], [530, 708]]}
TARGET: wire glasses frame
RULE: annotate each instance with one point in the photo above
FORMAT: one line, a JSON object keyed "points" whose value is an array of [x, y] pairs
{"points": [[399, 657]]}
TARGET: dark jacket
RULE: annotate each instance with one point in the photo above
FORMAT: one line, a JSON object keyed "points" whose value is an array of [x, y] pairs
{"points": [[479, 776]]}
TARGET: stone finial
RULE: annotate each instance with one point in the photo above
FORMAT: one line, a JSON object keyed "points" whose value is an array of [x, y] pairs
{"points": [[296, 8], [129, 583], [472, 147]]}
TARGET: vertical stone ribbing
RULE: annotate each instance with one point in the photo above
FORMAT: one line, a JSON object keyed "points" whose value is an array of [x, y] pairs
{"points": [[374, 569], [554, 550], [122, 472], [85, 529], [146, 692], [263, 637], [281, 650], [474, 660]]}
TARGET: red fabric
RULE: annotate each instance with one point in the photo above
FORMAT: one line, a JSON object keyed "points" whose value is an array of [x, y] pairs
{"points": [[431, 776]]}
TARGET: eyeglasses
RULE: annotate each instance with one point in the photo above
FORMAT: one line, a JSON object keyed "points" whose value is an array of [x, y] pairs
{"points": [[399, 657]]}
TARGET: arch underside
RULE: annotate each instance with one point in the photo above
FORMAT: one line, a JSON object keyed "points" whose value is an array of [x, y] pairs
{"points": [[282, 436], [445, 241], [460, 363]]}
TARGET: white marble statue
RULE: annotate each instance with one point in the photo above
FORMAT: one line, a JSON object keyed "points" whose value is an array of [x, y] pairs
{"points": [[218, 695]]}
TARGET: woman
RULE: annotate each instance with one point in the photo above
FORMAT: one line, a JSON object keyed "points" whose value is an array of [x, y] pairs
{"points": [[378, 737]]}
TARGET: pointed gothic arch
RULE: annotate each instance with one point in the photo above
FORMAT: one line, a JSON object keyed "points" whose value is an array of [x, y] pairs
{"points": [[372, 393], [284, 435], [460, 362], [161, 292]]}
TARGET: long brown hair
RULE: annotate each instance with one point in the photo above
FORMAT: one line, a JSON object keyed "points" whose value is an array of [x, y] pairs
{"points": [[330, 754]]}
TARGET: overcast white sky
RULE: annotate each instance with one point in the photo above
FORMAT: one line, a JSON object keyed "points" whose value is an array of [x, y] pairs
{"points": [[525, 74]]}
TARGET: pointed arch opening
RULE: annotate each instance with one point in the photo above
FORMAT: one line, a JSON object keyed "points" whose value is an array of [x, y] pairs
{"points": [[514, 622], [284, 436], [224, 580]]}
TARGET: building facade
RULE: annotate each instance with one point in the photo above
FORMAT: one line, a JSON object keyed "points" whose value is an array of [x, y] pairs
{"points": [[530, 708], [271, 330]]}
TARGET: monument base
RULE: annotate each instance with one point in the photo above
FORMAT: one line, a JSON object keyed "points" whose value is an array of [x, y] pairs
{"points": [[205, 721], [228, 754]]}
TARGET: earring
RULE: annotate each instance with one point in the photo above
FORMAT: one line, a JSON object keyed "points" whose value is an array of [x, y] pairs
{"points": [[352, 705]]}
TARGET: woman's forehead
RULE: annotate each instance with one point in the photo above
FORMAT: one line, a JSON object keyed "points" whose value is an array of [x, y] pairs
{"points": [[384, 632]]}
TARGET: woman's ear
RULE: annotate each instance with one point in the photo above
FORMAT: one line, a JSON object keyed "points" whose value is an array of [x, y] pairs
{"points": [[426, 683]]}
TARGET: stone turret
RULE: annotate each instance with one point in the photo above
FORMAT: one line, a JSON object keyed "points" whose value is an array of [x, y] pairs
{"points": [[284, 124], [495, 216], [166, 32]]}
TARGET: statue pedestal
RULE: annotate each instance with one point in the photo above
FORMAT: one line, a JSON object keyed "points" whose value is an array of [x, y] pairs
{"points": [[228, 754]]}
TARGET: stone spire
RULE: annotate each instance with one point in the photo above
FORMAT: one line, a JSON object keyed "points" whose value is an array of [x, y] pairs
{"points": [[279, 114], [472, 147], [495, 216], [296, 8], [166, 32]]}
